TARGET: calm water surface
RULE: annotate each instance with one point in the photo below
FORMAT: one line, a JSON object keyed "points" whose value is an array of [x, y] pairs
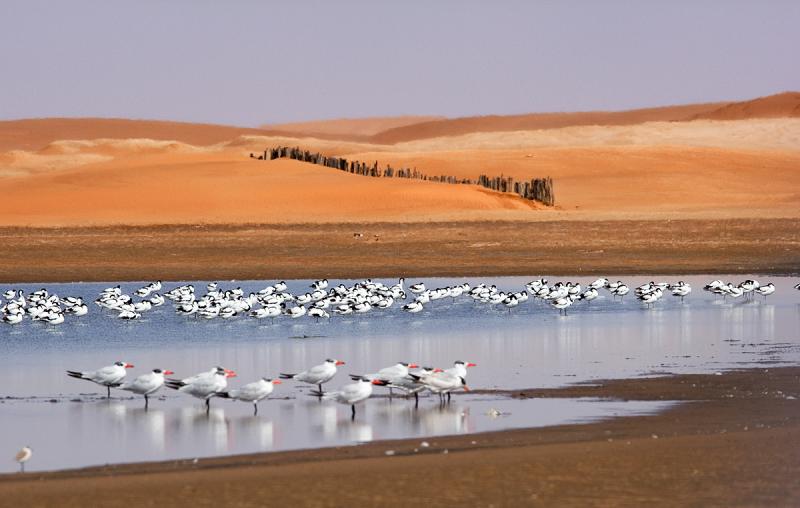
{"points": [[531, 346]]}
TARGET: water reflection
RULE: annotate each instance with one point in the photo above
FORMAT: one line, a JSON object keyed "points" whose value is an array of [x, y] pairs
{"points": [[97, 432]]}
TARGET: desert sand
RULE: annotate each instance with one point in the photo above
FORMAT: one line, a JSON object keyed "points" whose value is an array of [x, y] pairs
{"points": [[644, 168], [729, 443]]}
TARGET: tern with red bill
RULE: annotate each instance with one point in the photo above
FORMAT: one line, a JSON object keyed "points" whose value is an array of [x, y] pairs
{"points": [[204, 385], [253, 392], [459, 368], [316, 375], [442, 383], [390, 375], [352, 394], [146, 384], [412, 386], [109, 376]]}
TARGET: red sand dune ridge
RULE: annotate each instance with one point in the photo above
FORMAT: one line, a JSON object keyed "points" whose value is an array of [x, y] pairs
{"points": [[349, 127], [783, 105], [34, 134], [780, 105]]}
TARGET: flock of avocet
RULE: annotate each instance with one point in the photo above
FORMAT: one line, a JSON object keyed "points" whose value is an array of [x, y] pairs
{"points": [[214, 382], [320, 302]]}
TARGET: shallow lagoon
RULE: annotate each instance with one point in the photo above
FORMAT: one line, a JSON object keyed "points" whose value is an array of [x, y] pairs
{"points": [[531, 346]]}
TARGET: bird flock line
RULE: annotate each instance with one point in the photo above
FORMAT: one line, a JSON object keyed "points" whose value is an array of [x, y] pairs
{"points": [[321, 302]]}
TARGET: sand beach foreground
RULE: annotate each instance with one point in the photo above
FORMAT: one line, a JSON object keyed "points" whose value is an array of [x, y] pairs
{"points": [[729, 442]]}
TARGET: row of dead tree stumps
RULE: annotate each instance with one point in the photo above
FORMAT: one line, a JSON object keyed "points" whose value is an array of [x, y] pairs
{"points": [[537, 189]]}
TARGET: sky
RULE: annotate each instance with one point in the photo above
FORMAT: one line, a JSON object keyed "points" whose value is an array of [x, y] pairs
{"points": [[254, 62]]}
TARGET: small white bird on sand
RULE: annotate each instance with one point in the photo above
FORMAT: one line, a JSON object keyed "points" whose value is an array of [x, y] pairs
{"points": [[23, 456]]}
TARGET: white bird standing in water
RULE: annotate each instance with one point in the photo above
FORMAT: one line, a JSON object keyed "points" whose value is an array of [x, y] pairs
{"points": [[252, 392], [107, 376], [351, 394]]}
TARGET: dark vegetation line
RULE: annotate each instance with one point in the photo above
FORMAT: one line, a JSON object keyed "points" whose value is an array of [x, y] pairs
{"points": [[537, 189]]}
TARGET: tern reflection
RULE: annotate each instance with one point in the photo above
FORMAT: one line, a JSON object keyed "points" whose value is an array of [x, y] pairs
{"points": [[256, 430], [430, 418], [211, 428], [322, 418], [140, 425]]}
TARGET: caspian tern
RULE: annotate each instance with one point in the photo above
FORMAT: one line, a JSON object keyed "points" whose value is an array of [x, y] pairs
{"points": [[204, 385], [442, 383], [412, 386], [108, 376], [351, 394], [252, 392], [316, 375], [146, 384], [390, 374], [459, 368]]}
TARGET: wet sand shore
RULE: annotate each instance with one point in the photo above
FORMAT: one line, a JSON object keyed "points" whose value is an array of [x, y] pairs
{"points": [[293, 251], [730, 442]]}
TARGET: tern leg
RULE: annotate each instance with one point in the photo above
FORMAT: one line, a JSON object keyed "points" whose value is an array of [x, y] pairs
{"points": [[353, 406], [108, 394], [448, 397], [416, 400], [208, 406], [255, 405], [146, 402], [320, 389]]}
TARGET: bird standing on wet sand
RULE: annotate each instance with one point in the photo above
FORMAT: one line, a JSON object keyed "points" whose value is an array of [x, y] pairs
{"points": [[23, 456]]}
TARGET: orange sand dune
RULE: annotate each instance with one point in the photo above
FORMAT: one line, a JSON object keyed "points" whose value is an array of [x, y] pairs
{"points": [[785, 104], [641, 180], [781, 105], [349, 127], [221, 188], [34, 134], [496, 123]]}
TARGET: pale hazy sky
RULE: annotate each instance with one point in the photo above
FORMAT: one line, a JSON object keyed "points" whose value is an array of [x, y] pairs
{"points": [[252, 62]]}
